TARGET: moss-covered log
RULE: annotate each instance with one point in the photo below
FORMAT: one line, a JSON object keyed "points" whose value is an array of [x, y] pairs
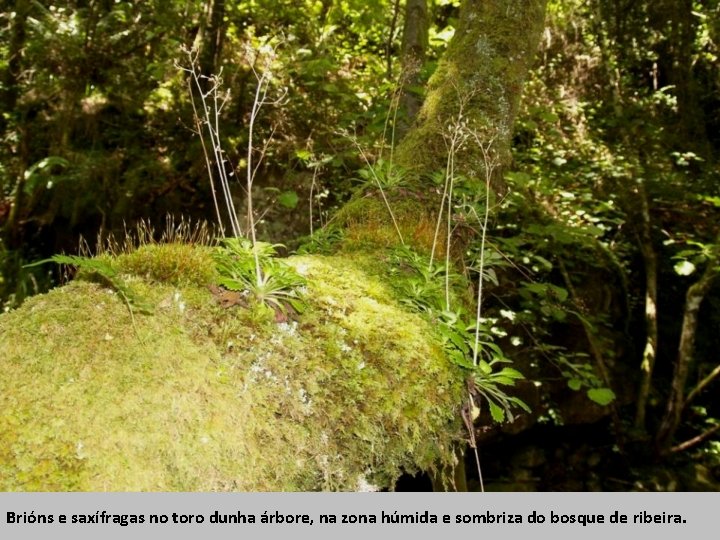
{"points": [[207, 393]]}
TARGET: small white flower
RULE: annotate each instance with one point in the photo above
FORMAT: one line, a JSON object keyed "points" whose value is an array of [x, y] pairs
{"points": [[508, 314], [498, 331]]}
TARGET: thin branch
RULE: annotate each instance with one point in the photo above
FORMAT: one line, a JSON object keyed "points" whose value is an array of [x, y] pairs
{"points": [[207, 159], [696, 440], [263, 151], [440, 212], [702, 385], [262, 87], [210, 119], [490, 164], [312, 188], [448, 236], [651, 324], [388, 45]]}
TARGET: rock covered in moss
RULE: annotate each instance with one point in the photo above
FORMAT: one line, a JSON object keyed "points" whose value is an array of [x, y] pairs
{"points": [[196, 395]]}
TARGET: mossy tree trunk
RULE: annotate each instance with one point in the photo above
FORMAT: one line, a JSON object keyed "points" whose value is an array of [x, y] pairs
{"points": [[475, 90], [474, 94], [481, 76]]}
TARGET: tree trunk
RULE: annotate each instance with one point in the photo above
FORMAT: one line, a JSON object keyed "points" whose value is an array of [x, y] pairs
{"points": [[481, 76], [414, 45], [9, 232], [476, 89], [210, 39], [391, 38], [650, 351], [11, 75], [675, 404]]}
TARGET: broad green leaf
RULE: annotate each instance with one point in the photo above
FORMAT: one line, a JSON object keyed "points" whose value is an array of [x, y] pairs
{"points": [[593, 230], [491, 276], [684, 268], [497, 412], [520, 403], [460, 360], [511, 373], [44, 164], [505, 381], [560, 292], [574, 384], [542, 260], [601, 396]]}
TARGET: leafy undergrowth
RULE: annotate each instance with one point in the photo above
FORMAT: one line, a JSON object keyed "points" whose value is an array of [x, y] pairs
{"points": [[190, 394]]}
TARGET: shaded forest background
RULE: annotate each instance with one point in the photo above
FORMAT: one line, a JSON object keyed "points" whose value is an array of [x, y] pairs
{"points": [[603, 245]]}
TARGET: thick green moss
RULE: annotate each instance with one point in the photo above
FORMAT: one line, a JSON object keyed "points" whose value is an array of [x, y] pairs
{"points": [[197, 396], [176, 264], [367, 222]]}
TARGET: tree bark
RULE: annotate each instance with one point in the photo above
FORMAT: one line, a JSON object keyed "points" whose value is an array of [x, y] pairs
{"points": [[9, 232], [391, 38], [676, 402], [11, 75], [414, 45], [651, 329], [476, 89], [481, 76], [211, 38]]}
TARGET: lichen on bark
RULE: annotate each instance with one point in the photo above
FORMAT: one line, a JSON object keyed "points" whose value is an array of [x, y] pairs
{"points": [[481, 75]]}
